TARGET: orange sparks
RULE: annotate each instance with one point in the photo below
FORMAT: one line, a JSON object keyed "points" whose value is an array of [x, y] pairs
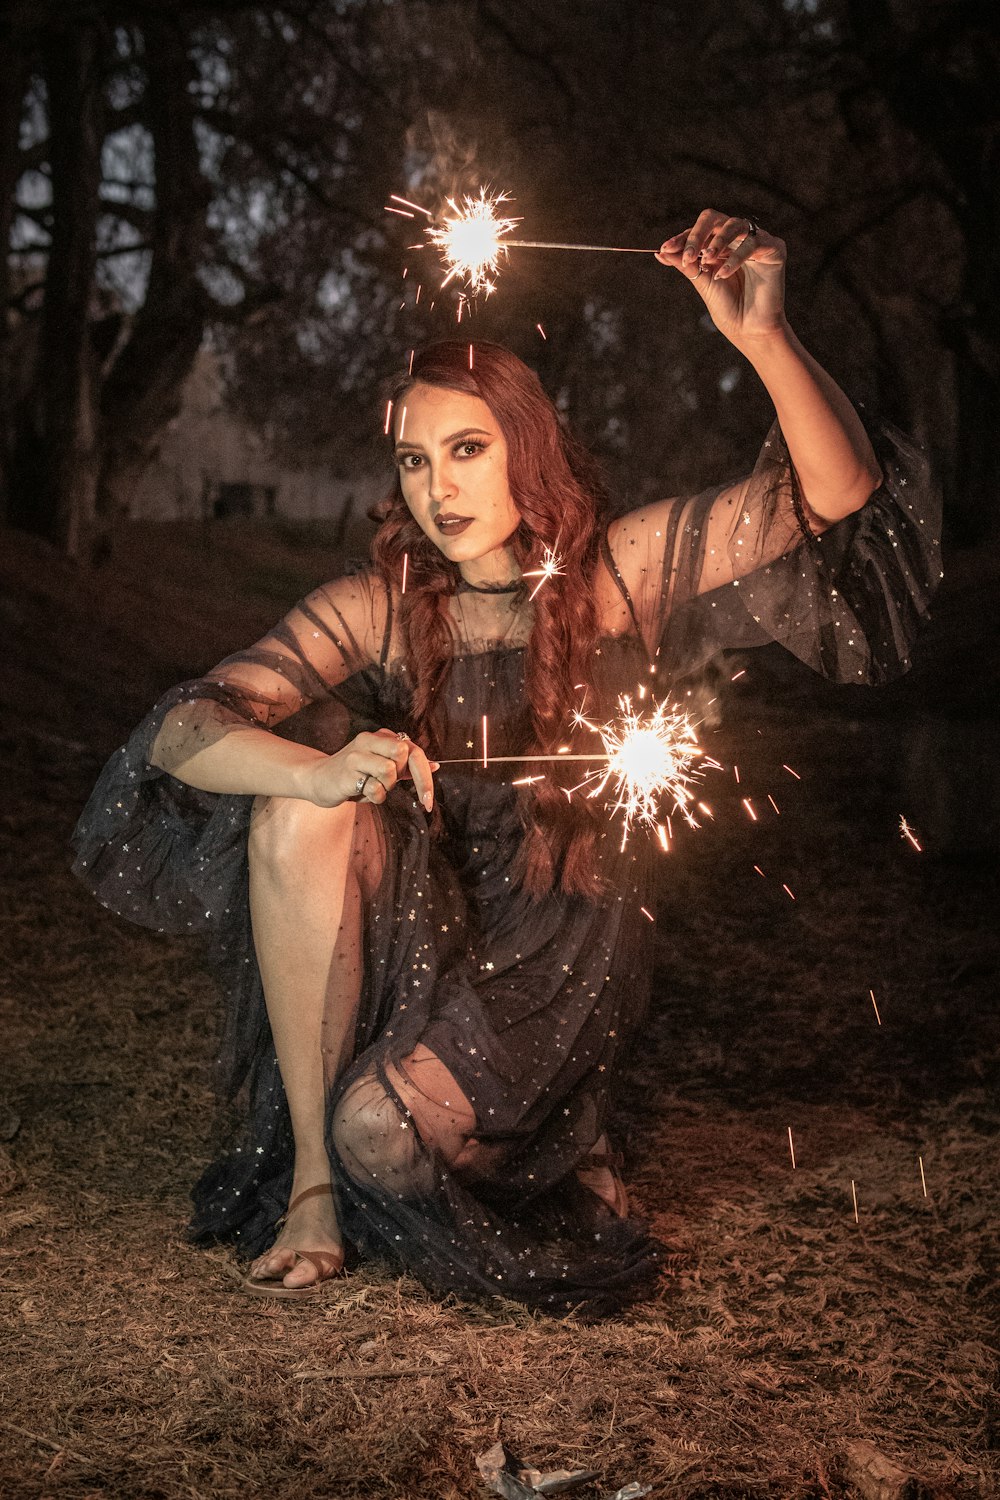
{"points": [[736, 773], [906, 832], [388, 418], [409, 368], [749, 807], [661, 834], [787, 892], [406, 564], [741, 673], [417, 297], [774, 804], [541, 330], [527, 780], [877, 1016], [470, 356], [791, 772], [703, 807], [485, 742], [390, 210], [791, 1147], [854, 1195], [760, 872], [407, 204], [923, 1179], [648, 914]]}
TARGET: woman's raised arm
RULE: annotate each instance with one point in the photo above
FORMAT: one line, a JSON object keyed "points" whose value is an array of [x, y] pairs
{"points": [[738, 270]]}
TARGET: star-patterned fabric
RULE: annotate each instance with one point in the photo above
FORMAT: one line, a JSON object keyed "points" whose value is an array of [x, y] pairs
{"points": [[531, 1004]]}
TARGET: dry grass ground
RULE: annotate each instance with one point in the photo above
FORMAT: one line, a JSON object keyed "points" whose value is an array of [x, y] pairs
{"points": [[131, 1366]]}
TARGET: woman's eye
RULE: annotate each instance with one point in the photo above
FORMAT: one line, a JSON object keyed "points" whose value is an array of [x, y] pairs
{"points": [[409, 460], [470, 448]]}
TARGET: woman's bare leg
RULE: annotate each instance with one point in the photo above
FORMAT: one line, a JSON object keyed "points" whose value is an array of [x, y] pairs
{"points": [[303, 894]]}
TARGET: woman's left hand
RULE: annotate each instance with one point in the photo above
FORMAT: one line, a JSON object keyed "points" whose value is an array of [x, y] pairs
{"points": [[739, 274]]}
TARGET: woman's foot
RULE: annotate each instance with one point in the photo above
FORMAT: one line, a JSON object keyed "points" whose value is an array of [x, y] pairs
{"points": [[309, 1247], [598, 1172]]}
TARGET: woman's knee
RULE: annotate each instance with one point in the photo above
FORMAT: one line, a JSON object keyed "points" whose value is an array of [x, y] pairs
{"points": [[377, 1142], [285, 829]]}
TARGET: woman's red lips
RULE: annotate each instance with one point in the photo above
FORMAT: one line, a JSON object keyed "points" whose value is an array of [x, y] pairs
{"points": [[452, 525]]}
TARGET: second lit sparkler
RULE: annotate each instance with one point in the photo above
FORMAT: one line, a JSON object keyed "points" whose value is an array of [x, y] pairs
{"points": [[649, 758], [474, 236]]}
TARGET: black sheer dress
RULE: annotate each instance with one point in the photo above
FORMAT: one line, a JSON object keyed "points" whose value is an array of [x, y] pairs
{"points": [[530, 1004]]}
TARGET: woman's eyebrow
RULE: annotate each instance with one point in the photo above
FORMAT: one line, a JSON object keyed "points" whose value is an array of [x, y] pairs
{"points": [[466, 432]]}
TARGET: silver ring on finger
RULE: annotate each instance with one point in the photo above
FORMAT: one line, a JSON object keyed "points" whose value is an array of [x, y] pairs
{"points": [[361, 783], [753, 229]]}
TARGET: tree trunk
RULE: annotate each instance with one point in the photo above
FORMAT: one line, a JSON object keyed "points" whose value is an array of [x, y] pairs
{"points": [[54, 471], [144, 389], [13, 81]]}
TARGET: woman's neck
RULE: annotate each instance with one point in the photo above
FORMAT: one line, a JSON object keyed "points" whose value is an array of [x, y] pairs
{"points": [[490, 574]]}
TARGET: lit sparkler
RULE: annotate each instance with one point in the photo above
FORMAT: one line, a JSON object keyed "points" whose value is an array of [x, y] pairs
{"points": [[648, 759], [474, 238], [471, 239]]}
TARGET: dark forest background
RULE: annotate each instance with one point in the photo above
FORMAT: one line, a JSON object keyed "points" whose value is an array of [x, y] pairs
{"points": [[178, 174]]}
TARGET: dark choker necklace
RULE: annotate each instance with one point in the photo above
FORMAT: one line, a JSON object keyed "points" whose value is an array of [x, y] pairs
{"points": [[490, 588]]}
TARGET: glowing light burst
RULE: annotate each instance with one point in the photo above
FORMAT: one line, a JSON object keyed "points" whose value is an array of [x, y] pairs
{"points": [[652, 758], [470, 239], [551, 568]]}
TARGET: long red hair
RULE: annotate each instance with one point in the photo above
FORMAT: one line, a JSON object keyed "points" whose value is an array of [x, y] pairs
{"points": [[562, 504]]}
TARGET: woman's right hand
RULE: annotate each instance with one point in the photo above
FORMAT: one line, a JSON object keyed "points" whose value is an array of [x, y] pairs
{"points": [[368, 768]]}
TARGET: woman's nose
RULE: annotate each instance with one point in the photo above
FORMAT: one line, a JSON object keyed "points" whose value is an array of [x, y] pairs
{"points": [[442, 484]]}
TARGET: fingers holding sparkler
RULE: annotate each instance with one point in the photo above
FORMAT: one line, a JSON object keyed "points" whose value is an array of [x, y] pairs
{"points": [[737, 269]]}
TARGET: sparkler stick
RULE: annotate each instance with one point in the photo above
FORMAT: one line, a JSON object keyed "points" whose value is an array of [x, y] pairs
{"points": [[601, 249], [877, 1016]]}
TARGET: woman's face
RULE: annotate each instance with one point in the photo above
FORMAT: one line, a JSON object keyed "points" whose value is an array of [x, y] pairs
{"points": [[452, 461]]}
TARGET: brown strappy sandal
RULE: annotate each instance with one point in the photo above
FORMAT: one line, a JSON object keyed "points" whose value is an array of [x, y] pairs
{"points": [[327, 1264], [613, 1161]]}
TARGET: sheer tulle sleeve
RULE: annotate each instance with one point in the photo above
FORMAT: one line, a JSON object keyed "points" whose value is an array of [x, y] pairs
{"points": [[747, 563], [168, 856]]}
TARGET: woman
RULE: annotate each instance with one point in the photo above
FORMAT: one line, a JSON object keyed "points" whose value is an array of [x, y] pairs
{"points": [[432, 982]]}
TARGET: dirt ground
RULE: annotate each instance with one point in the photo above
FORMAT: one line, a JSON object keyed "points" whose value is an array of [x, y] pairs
{"points": [[797, 1320]]}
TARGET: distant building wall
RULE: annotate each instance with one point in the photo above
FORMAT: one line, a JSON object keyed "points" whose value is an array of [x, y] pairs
{"points": [[213, 466]]}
